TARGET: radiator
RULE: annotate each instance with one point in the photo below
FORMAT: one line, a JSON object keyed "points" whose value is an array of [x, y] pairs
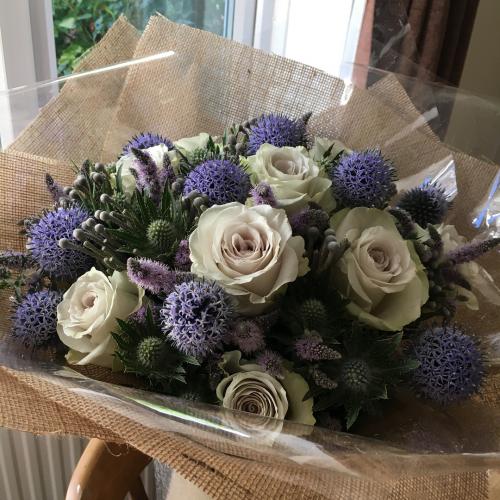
{"points": [[40, 467]]}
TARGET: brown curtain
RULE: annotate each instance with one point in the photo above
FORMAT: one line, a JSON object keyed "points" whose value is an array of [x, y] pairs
{"points": [[426, 39]]}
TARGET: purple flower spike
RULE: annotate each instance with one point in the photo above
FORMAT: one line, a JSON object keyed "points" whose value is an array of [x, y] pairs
{"points": [[55, 190], [147, 175], [271, 362], [196, 317], [153, 276], [262, 194], [248, 336], [182, 260], [311, 348], [472, 251]]}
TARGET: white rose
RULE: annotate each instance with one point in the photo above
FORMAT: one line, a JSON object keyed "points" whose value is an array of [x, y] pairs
{"points": [[249, 251], [477, 276], [126, 163], [190, 144], [380, 272], [293, 175], [88, 312]]}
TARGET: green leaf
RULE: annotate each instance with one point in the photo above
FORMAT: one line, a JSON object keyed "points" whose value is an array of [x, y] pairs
{"points": [[352, 413], [69, 23]]}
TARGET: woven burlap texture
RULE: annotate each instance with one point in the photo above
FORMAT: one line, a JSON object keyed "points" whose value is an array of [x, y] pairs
{"points": [[207, 83]]}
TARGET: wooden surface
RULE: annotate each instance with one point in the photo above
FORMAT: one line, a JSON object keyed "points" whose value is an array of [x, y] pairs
{"points": [[108, 471]]}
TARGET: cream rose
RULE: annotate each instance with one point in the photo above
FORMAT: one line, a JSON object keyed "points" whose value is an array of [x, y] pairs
{"points": [[190, 144], [293, 175], [479, 279], [249, 251], [126, 163], [380, 273], [88, 312], [248, 388]]}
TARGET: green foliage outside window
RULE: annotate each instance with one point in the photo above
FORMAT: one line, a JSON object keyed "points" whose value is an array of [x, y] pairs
{"points": [[80, 24]]}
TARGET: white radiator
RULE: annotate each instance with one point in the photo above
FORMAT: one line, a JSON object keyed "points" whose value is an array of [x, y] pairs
{"points": [[40, 467]]}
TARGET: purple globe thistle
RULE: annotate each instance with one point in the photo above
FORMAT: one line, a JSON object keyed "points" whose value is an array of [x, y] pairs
{"points": [[451, 365], [151, 275], [196, 317], [311, 348], [271, 362], [307, 218], [221, 181], [262, 194], [364, 179], [43, 243], [248, 336], [146, 140], [278, 130], [182, 261], [426, 204], [34, 322]]}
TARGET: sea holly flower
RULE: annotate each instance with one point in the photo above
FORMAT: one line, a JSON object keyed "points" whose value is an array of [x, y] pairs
{"points": [[380, 273], [249, 251], [294, 178], [88, 313]]}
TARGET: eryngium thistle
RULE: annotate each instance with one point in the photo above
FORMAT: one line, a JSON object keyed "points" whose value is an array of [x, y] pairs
{"points": [[182, 261], [307, 218], [364, 179], [43, 243], [150, 352], [34, 321], [314, 314], [161, 234], [426, 204], [248, 335], [146, 140], [262, 194], [472, 251], [451, 365], [151, 275], [196, 317], [278, 130], [271, 362], [221, 181], [311, 348], [355, 375]]}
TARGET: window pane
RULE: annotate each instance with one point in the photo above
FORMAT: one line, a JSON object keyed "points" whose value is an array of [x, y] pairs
{"points": [[79, 24]]}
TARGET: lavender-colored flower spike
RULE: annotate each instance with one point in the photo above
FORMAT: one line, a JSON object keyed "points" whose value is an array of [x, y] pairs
{"points": [[153, 276], [54, 188], [262, 194], [321, 379], [472, 251], [182, 260], [16, 260], [147, 175], [311, 348], [248, 336], [271, 362]]}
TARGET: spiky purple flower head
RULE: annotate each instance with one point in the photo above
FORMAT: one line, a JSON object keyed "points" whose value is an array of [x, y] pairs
{"points": [[221, 181], [271, 362], [472, 251], [248, 335], [151, 275], [278, 130], [34, 322], [43, 243], [363, 179], [451, 365], [182, 261], [427, 204], [196, 317], [146, 140], [311, 348], [262, 194], [307, 218]]}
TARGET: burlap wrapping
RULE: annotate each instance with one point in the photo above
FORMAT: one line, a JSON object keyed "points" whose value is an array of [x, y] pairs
{"points": [[206, 84]]}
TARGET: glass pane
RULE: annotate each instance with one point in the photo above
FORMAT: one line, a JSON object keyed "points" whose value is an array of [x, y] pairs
{"points": [[79, 24]]}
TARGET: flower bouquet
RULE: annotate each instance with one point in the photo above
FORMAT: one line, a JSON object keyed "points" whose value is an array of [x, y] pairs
{"points": [[281, 265]]}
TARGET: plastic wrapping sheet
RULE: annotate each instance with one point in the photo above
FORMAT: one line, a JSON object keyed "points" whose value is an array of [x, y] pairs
{"points": [[180, 82]]}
